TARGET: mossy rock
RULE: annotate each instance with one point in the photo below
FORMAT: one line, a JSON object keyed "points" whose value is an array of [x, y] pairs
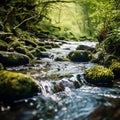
{"points": [[41, 44], [41, 48], [61, 59], [85, 47], [52, 44], [55, 45], [79, 56], [15, 86], [36, 53], [115, 67], [30, 42], [3, 45], [10, 39], [48, 46], [13, 58], [99, 76]]}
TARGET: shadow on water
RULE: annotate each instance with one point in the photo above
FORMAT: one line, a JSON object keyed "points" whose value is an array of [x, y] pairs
{"points": [[83, 103]]}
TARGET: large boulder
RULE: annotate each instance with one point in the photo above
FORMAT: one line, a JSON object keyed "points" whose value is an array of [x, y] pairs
{"points": [[13, 58], [99, 76], [79, 56], [85, 47], [15, 86]]}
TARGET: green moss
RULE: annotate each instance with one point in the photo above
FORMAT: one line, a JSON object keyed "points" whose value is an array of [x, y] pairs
{"points": [[61, 59], [16, 86], [79, 56], [99, 75], [3, 45], [115, 67]]}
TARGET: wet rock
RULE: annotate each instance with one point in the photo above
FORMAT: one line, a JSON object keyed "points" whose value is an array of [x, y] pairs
{"points": [[99, 76], [79, 56], [58, 87], [15, 86], [85, 47], [77, 84], [115, 67], [13, 59], [105, 113], [61, 59]]}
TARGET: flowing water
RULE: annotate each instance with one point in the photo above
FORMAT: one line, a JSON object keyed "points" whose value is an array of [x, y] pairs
{"points": [[69, 102]]}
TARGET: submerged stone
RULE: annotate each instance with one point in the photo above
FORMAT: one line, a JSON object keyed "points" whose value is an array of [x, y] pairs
{"points": [[15, 86], [99, 76]]}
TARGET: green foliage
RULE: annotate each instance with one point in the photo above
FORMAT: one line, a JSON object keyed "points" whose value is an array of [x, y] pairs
{"points": [[112, 43], [79, 56], [115, 67], [15, 86], [99, 75]]}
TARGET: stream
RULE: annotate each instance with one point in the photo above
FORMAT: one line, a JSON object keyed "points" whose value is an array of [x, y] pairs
{"points": [[69, 102]]}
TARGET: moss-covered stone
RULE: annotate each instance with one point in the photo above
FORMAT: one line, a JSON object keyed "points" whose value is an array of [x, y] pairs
{"points": [[3, 45], [79, 56], [85, 47], [48, 46], [61, 59], [99, 75], [36, 53], [30, 42], [15, 86], [13, 58], [11, 39], [52, 44], [55, 45], [41, 48], [115, 67], [41, 43]]}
